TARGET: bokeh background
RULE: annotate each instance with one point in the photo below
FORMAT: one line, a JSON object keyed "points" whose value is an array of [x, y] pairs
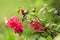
{"points": [[8, 8]]}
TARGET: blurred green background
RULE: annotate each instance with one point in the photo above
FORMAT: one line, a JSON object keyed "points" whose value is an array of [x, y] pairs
{"points": [[8, 8]]}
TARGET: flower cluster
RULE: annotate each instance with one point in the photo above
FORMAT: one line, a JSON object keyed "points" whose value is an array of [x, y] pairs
{"points": [[36, 26], [15, 24]]}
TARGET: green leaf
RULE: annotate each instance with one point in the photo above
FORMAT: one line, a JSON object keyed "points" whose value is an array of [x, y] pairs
{"points": [[49, 37], [42, 38]]}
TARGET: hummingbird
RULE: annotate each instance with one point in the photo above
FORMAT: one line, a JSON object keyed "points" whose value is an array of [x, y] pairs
{"points": [[24, 13]]}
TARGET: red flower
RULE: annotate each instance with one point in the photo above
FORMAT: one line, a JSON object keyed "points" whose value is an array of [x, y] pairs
{"points": [[15, 24], [36, 26]]}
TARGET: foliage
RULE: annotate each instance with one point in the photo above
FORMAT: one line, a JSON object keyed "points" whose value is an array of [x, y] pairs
{"points": [[47, 14]]}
